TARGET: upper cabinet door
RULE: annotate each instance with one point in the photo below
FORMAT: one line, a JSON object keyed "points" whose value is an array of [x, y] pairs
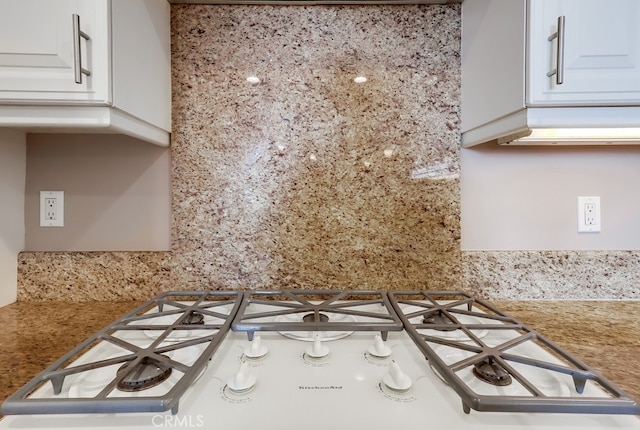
{"points": [[39, 52], [601, 60]]}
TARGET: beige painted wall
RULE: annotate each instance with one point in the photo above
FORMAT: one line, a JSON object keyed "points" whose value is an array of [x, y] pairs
{"points": [[12, 177], [117, 193], [519, 198]]}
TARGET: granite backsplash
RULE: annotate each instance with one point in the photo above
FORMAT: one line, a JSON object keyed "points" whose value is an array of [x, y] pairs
{"points": [[310, 180]]}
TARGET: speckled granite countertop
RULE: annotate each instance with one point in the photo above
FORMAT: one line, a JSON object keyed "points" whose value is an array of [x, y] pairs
{"points": [[605, 335]]}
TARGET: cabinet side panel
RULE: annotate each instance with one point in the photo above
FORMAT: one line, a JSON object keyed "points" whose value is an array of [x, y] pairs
{"points": [[13, 162], [493, 65], [142, 59]]}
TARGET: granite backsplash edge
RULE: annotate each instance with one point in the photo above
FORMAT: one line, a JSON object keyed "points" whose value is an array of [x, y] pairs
{"points": [[508, 275]]}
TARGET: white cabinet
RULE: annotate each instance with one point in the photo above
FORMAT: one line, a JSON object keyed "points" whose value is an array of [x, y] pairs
{"points": [[601, 61], [509, 50], [122, 48], [37, 48]]}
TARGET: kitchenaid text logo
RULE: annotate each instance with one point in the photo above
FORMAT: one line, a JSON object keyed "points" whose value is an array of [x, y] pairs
{"points": [[174, 421], [320, 387]]}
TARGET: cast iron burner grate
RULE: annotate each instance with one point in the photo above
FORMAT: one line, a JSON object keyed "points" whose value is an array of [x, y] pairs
{"points": [[472, 346], [316, 311], [147, 341]]}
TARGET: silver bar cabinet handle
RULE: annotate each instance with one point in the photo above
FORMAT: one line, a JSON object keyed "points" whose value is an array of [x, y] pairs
{"points": [[559, 70], [78, 71]]}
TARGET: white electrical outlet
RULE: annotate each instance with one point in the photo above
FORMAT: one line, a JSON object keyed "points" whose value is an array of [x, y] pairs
{"points": [[589, 214], [51, 208]]}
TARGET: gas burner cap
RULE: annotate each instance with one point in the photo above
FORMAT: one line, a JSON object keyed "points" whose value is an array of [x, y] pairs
{"points": [[146, 374], [308, 336], [311, 317], [492, 373], [439, 317], [193, 318]]}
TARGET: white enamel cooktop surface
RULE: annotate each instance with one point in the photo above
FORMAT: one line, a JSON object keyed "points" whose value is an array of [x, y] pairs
{"points": [[344, 390]]}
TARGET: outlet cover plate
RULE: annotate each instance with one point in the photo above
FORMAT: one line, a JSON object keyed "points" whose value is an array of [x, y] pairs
{"points": [[589, 214], [51, 208]]}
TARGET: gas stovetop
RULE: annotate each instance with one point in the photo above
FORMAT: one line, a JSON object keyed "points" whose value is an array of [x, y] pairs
{"points": [[318, 359], [496, 363], [142, 362]]}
